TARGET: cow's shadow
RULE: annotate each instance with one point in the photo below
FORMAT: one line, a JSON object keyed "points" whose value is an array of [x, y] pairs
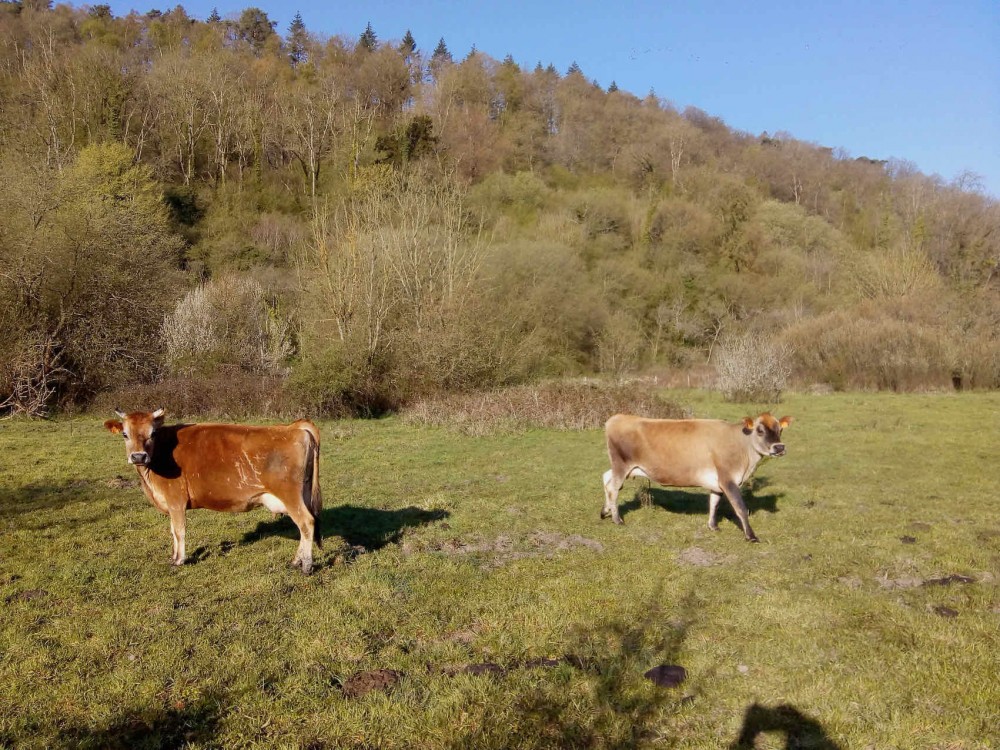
{"points": [[370, 528], [695, 501]]}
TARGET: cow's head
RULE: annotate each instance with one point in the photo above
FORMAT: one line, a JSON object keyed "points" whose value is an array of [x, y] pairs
{"points": [[138, 428], [765, 433]]}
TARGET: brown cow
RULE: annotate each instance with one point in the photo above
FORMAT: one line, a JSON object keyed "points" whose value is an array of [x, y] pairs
{"points": [[226, 467], [708, 453]]}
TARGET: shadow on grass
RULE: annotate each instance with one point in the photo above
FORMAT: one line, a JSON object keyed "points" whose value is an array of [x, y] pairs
{"points": [[63, 502], [695, 502], [800, 730], [619, 708], [371, 528], [152, 728]]}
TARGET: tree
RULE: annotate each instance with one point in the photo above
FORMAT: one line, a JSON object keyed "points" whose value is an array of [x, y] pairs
{"points": [[86, 282], [440, 59], [612, 88], [408, 46], [297, 40], [214, 16], [368, 41], [255, 28]]}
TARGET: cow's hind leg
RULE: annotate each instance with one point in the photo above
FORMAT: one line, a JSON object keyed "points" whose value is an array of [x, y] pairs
{"points": [[307, 527], [736, 500], [612, 486], [177, 524], [713, 506]]}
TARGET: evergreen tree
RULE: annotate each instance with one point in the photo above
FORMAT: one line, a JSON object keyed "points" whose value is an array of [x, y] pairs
{"points": [[440, 58], [408, 46], [612, 88], [368, 40], [255, 28], [297, 39], [574, 69], [214, 17], [472, 53], [441, 52]]}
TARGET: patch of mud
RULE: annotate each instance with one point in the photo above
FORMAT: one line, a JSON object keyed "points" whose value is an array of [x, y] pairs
{"points": [[698, 557], [123, 483], [504, 549], [903, 582], [908, 539], [944, 611], [948, 580], [988, 535], [666, 675], [362, 683], [27, 595]]}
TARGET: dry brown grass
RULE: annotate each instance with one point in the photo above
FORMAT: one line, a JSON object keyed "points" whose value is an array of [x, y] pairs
{"points": [[561, 405]]}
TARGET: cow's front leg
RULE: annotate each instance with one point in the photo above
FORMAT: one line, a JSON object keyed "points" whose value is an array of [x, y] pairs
{"points": [[177, 523], [713, 505], [736, 500], [612, 485]]}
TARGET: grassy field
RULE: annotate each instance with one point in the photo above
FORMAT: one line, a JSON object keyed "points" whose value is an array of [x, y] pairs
{"points": [[445, 551]]}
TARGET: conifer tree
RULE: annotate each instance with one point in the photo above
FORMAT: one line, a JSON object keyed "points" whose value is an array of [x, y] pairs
{"points": [[297, 39], [612, 88], [441, 52], [214, 16], [368, 39], [574, 69], [409, 45]]}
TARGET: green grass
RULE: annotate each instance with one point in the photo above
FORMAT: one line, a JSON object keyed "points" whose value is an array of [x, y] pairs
{"points": [[491, 550]]}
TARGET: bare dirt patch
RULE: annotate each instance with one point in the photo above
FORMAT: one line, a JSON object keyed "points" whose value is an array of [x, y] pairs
{"points": [[698, 557], [362, 683], [505, 549], [122, 483]]}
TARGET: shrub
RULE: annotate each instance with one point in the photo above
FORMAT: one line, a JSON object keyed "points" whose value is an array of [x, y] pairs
{"points": [[561, 405], [867, 347], [229, 395], [228, 322], [752, 367]]}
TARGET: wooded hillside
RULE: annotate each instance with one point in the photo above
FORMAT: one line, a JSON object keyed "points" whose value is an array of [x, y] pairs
{"points": [[344, 224]]}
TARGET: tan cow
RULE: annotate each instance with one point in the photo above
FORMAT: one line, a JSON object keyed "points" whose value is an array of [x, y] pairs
{"points": [[226, 467], [708, 453]]}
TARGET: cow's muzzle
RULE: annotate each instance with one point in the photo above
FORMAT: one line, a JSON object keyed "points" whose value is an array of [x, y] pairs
{"points": [[778, 449], [139, 459]]}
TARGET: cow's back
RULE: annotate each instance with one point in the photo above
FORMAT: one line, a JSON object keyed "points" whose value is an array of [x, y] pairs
{"points": [[672, 452], [223, 465]]}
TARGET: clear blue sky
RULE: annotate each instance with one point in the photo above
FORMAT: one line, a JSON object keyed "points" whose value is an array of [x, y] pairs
{"points": [[914, 80]]}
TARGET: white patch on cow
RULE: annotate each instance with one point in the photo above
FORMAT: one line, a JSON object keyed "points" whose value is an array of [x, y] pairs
{"points": [[638, 472], [709, 479], [273, 503], [607, 477]]}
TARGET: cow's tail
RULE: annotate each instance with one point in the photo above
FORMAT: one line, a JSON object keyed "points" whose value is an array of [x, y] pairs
{"points": [[312, 496]]}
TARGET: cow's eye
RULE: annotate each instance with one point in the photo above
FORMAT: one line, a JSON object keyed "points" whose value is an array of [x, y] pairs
{"points": [[125, 435], [760, 430]]}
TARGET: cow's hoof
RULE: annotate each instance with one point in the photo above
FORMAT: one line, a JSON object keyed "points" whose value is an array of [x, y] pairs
{"points": [[307, 566], [753, 538], [713, 527], [619, 521], [605, 514]]}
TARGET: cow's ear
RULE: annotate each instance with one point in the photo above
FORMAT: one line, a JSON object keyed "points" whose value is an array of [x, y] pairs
{"points": [[158, 415], [784, 422], [747, 424], [113, 426]]}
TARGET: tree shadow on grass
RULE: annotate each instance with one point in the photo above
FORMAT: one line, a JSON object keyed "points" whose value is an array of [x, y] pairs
{"points": [[371, 528], [695, 502], [800, 731], [153, 728], [623, 709]]}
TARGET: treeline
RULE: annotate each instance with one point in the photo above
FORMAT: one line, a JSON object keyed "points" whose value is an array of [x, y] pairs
{"points": [[347, 224]]}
